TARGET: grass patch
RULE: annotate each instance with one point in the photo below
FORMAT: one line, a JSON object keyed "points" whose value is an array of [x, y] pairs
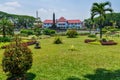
{"points": [[88, 62]]}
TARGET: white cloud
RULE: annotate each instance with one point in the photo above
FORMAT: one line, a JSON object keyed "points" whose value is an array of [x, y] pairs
{"points": [[47, 13], [10, 7], [13, 4], [43, 10]]}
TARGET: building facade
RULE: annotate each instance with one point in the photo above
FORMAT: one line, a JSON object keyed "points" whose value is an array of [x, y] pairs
{"points": [[63, 23]]}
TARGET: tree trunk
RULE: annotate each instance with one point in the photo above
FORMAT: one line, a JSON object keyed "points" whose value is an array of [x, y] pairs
{"points": [[100, 31], [4, 34]]}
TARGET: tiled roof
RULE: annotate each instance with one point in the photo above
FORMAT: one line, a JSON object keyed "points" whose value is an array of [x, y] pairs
{"points": [[61, 19], [48, 21], [73, 21]]}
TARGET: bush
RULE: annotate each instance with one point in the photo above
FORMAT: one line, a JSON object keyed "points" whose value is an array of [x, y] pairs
{"points": [[52, 32], [5, 39], [37, 31], [92, 36], [17, 60], [27, 32], [104, 40], [49, 32], [57, 40], [71, 33]]}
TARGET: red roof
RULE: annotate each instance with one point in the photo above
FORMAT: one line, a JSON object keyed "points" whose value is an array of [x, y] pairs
{"points": [[48, 21], [62, 19], [73, 21]]}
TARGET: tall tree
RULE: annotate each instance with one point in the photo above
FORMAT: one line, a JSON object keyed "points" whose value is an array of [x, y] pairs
{"points": [[5, 25], [101, 9]]}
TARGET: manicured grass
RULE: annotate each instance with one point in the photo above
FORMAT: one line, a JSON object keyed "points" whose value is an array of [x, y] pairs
{"points": [[87, 62]]}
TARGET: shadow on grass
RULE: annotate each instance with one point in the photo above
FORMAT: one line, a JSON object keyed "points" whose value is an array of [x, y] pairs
{"points": [[30, 76], [73, 78], [27, 76], [103, 74]]}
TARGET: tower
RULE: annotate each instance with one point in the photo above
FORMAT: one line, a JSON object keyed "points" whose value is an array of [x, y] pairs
{"points": [[53, 18], [54, 24], [36, 14]]}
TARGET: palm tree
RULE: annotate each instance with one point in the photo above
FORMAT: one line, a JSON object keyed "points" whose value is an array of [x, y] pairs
{"points": [[5, 25], [100, 9]]}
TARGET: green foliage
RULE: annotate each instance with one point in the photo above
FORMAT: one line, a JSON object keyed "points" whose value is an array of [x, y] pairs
{"points": [[92, 36], [5, 39], [104, 40], [6, 27], [37, 31], [71, 33], [100, 9], [48, 31], [17, 60], [27, 32], [21, 21], [57, 40]]}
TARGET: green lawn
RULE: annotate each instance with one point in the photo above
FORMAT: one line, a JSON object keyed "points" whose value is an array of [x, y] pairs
{"points": [[88, 62]]}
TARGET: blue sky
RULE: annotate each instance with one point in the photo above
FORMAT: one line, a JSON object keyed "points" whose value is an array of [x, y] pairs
{"points": [[70, 9]]}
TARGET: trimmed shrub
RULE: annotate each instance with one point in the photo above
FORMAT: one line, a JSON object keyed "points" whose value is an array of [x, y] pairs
{"points": [[57, 40], [71, 33], [28, 43], [27, 32], [52, 31], [38, 31], [5, 39], [104, 40], [17, 60], [49, 32], [46, 31], [92, 36]]}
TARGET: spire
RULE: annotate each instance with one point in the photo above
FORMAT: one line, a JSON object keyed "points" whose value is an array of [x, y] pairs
{"points": [[36, 14]]}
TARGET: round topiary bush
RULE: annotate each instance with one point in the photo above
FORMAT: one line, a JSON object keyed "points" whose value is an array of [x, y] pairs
{"points": [[17, 60], [71, 33]]}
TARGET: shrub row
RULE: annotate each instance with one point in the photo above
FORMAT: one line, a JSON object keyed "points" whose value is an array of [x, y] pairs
{"points": [[103, 42], [24, 43], [5, 39]]}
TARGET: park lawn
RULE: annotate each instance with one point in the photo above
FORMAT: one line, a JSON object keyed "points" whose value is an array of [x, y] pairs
{"points": [[87, 62]]}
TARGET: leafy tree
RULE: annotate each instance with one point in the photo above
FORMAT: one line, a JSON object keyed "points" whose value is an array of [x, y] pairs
{"points": [[6, 26], [100, 9]]}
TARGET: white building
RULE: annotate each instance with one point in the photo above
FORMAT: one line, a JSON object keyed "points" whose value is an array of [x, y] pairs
{"points": [[63, 23]]}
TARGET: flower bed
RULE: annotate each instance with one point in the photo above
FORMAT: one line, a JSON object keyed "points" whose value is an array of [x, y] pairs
{"points": [[111, 42], [89, 40]]}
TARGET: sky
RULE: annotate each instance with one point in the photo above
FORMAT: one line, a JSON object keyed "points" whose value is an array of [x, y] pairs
{"points": [[70, 9]]}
